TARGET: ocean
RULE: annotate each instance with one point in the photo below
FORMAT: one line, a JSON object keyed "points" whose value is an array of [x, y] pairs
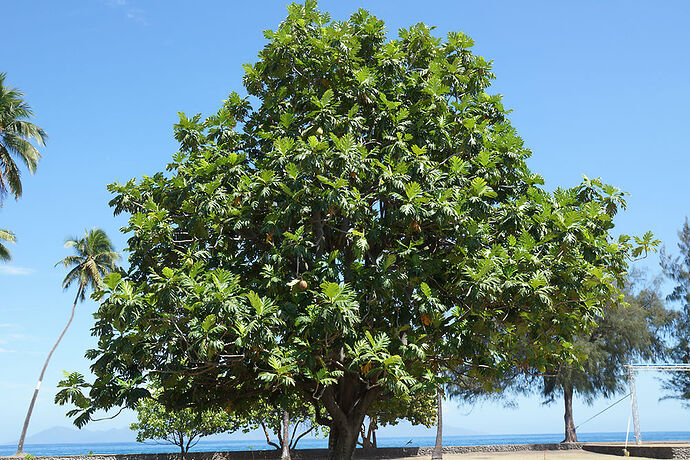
{"points": [[214, 446]]}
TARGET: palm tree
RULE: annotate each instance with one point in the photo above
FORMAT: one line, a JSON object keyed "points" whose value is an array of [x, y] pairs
{"points": [[93, 258], [15, 139], [5, 235]]}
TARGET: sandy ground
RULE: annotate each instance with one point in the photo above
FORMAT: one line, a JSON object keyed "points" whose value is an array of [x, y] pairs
{"points": [[525, 455]]}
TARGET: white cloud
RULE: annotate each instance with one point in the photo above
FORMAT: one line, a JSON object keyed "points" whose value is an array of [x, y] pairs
{"points": [[18, 337], [11, 270], [133, 13], [136, 15], [8, 335], [15, 385]]}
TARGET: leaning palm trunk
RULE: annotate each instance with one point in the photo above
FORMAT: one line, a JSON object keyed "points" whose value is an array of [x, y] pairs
{"points": [[20, 447], [438, 447]]}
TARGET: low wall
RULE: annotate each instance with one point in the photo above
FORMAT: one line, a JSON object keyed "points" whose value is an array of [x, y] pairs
{"points": [[314, 454], [648, 451]]}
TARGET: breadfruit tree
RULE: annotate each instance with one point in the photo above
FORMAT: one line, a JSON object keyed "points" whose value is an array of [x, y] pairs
{"points": [[362, 224]]}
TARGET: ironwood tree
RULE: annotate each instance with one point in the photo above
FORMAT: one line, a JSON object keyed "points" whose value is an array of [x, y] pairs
{"points": [[359, 227], [677, 269], [626, 332]]}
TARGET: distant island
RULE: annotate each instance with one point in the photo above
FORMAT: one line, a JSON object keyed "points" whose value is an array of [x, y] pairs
{"points": [[69, 435]]}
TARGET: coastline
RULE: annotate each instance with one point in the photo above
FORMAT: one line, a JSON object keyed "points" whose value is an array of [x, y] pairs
{"points": [[465, 443], [572, 451]]}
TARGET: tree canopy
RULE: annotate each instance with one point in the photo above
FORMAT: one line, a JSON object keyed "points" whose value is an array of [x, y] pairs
{"points": [[418, 409], [16, 134], [5, 236], [93, 258], [626, 332], [269, 416], [359, 226], [182, 428], [677, 270]]}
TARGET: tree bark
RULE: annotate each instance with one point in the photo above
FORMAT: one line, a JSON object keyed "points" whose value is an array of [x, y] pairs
{"points": [[344, 443], [365, 439], [438, 447], [268, 437], [369, 435], [570, 434], [20, 446], [285, 455], [347, 403]]}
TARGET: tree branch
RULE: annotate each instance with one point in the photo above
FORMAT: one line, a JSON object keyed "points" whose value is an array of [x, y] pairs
{"points": [[334, 410], [320, 419], [268, 438], [300, 437]]}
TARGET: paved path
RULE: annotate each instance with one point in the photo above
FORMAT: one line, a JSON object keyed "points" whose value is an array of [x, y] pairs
{"points": [[525, 455]]}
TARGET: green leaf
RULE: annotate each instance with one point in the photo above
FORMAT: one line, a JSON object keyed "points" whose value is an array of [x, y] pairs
{"points": [[331, 290], [112, 279], [419, 151], [209, 321], [412, 190], [393, 359], [425, 289], [255, 302], [292, 170]]}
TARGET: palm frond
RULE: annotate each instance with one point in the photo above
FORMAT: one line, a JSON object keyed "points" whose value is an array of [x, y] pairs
{"points": [[72, 242], [10, 172], [93, 258], [107, 258], [6, 235], [22, 149], [72, 276], [16, 134], [28, 130], [69, 261]]}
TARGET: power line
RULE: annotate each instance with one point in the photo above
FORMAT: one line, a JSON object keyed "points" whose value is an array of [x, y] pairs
{"points": [[599, 413]]}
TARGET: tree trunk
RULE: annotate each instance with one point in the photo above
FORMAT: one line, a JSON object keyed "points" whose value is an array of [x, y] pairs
{"points": [[369, 436], [332, 438], [365, 438], [20, 446], [438, 447], [285, 455], [570, 435], [347, 403], [343, 443]]}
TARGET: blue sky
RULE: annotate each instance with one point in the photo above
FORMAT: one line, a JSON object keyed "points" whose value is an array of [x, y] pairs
{"points": [[597, 88]]}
